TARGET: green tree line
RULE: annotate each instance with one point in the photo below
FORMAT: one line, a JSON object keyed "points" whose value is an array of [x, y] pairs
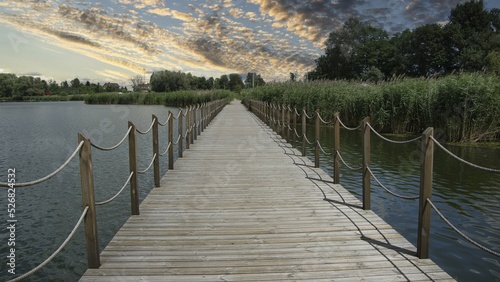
{"points": [[170, 81], [21, 86], [469, 41]]}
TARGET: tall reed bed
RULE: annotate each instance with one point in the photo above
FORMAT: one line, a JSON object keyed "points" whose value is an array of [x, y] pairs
{"points": [[461, 107], [173, 99]]}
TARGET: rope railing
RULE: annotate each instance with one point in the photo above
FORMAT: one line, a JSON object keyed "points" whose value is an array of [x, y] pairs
{"points": [[57, 251], [348, 128], [467, 238], [166, 151], [115, 146], [306, 115], [270, 116], [323, 121], [40, 180], [296, 112], [178, 115], [389, 191], [462, 160], [197, 118], [149, 166], [149, 129], [166, 122], [321, 148], [393, 141], [307, 140], [118, 193], [178, 139], [346, 164]]}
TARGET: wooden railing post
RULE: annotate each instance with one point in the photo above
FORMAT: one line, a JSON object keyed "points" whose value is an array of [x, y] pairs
{"points": [[294, 143], [156, 162], [192, 121], [132, 159], [366, 164], [317, 139], [266, 113], [336, 150], [195, 123], [203, 116], [188, 138], [424, 211], [288, 123], [171, 140], [179, 130], [304, 129], [283, 121], [87, 186]]}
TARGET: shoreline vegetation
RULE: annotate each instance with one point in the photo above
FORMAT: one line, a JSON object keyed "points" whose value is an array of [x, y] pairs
{"points": [[461, 108], [171, 99]]}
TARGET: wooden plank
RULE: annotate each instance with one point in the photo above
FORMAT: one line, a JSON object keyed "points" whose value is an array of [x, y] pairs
{"points": [[242, 205]]}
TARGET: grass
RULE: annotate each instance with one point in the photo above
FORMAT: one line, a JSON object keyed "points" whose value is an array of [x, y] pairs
{"points": [[173, 99], [460, 107]]}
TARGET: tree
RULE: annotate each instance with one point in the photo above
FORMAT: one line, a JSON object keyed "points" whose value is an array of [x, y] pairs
{"points": [[254, 80], [75, 83], [7, 84], [469, 31], [353, 50], [425, 50], [136, 81], [224, 82], [235, 83]]}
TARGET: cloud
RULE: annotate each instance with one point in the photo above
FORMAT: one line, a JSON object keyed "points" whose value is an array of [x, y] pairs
{"points": [[271, 37], [421, 12]]}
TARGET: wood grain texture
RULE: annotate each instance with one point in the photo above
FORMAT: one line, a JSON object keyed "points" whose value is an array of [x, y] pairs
{"points": [[243, 205]]}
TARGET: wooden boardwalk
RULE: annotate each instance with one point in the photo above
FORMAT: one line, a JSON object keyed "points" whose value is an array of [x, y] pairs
{"points": [[244, 206]]}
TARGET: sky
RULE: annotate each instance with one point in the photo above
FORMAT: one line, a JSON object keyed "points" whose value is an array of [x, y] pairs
{"points": [[113, 41]]}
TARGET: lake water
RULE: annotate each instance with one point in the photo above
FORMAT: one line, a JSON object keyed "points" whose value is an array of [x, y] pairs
{"points": [[468, 197], [36, 138]]}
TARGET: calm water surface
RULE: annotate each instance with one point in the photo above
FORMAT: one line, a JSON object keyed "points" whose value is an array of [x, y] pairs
{"points": [[35, 139], [468, 197]]}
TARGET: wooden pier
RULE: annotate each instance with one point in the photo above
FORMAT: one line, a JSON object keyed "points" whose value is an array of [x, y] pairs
{"points": [[242, 205]]}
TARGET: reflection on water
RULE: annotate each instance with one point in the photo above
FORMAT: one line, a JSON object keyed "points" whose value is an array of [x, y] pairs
{"points": [[467, 196], [35, 139]]}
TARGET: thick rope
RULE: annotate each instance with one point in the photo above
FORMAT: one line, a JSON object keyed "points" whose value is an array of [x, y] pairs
{"points": [[166, 122], [147, 131], [296, 112], [348, 166], [114, 147], [296, 133], [323, 121], [348, 128], [467, 238], [389, 191], [20, 184], [393, 141], [149, 166], [321, 148], [178, 115], [119, 192], [56, 251], [166, 151], [462, 160], [307, 140], [305, 113], [178, 139]]}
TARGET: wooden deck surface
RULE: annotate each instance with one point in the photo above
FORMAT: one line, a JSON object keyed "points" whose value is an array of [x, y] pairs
{"points": [[244, 206]]}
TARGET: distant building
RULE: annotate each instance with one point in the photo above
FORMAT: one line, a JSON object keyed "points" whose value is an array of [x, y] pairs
{"points": [[144, 87], [111, 87]]}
